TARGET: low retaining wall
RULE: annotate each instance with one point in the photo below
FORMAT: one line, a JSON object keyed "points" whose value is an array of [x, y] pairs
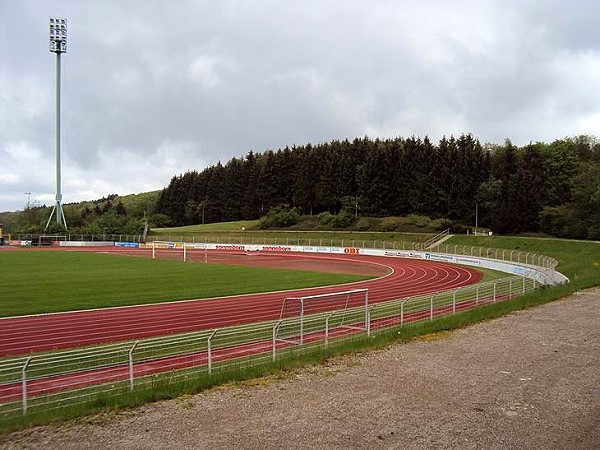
{"points": [[87, 244], [539, 274]]}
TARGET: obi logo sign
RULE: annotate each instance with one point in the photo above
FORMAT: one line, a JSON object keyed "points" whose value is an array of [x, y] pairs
{"points": [[351, 251]]}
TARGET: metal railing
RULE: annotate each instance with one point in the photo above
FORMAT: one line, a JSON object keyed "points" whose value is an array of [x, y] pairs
{"points": [[45, 239], [50, 381], [429, 242], [517, 256]]}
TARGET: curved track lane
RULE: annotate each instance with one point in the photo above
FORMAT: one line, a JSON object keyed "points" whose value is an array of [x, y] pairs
{"points": [[408, 277]]}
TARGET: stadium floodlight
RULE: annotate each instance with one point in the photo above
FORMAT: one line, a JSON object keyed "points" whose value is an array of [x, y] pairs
{"points": [[58, 45], [58, 35]]}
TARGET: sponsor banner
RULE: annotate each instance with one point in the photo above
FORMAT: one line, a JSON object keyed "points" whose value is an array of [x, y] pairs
{"points": [[438, 257], [337, 249], [87, 244], [309, 249], [275, 248], [468, 261], [402, 254], [519, 271], [127, 244], [351, 251], [230, 247]]}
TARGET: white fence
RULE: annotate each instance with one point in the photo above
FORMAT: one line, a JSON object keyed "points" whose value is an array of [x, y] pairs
{"points": [[45, 382], [338, 246]]}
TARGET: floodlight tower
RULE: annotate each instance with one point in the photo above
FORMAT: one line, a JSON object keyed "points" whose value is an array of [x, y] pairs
{"points": [[58, 45]]}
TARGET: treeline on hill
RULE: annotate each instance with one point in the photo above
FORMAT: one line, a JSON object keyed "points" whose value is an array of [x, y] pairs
{"points": [[112, 214], [552, 188]]}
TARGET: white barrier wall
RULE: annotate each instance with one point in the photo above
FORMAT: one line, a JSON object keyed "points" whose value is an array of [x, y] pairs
{"points": [[87, 244], [539, 274]]}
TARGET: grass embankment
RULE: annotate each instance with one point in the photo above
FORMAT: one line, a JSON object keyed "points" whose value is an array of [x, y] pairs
{"points": [[233, 232], [578, 260], [39, 281]]}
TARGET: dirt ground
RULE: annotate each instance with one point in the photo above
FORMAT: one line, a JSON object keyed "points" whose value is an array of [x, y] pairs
{"points": [[528, 380]]}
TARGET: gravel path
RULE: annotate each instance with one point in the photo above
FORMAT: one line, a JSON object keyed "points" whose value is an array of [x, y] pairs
{"points": [[528, 380]]}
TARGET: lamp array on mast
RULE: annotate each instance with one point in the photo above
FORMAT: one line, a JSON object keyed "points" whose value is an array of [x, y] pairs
{"points": [[58, 45], [58, 35]]}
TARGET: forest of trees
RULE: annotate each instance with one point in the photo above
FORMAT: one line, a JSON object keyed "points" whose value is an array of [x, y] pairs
{"points": [[553, 188]]}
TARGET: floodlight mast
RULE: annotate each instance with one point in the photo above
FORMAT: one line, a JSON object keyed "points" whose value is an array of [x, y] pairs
{"points": [[58, 45]]}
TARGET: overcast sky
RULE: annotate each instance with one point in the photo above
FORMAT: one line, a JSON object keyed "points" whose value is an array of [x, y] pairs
{"points": [[152, 88]]}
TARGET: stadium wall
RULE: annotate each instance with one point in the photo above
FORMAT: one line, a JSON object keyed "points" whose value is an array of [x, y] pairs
{"points": [[541, 275]]}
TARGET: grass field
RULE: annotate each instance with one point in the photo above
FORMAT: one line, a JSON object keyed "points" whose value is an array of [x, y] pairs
{"points": [[232, 232], [35, 281]]}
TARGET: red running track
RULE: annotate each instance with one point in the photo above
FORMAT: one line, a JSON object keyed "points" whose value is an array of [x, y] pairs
{"points": [[31, 334]]}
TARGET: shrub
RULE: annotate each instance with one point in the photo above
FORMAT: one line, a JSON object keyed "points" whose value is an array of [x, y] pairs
{"points": [[281, 216], [441, 224], [343, 220], [325, 218], [420, 221], [363, 224], [389, 224]]}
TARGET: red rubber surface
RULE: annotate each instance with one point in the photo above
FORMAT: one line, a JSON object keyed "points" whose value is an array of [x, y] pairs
{"points": [[32, 334]]}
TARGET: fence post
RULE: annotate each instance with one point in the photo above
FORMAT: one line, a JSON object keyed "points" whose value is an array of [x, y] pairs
{"points": [[524, 284], [184, 253], [454, 302], [275, 329], [367, 315], [131, 364], [327, 328], [24, 384], [431, 308], [209, 350], [301, 321], [494, 297], [153, 250], [369, 320], [510, 289], [476, 295], [402, 312]]}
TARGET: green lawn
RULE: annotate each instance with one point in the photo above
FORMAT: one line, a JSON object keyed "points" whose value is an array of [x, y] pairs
{"points": [[231, 232], [38, 281], [209, 227], [578, 260]]}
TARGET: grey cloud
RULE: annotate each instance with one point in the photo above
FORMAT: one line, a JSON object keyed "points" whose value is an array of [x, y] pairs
{"points": [[154, 88]]}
